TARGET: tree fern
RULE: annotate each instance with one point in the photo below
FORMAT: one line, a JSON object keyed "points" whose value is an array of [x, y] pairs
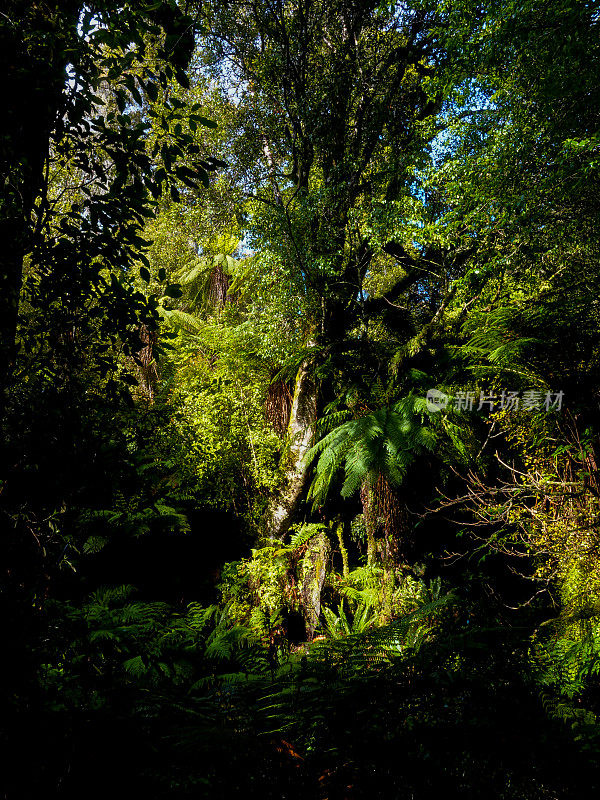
{"points": [[384, 443]]}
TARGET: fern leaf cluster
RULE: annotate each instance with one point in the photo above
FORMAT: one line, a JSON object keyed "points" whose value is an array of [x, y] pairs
{"points": [[385, 442]]}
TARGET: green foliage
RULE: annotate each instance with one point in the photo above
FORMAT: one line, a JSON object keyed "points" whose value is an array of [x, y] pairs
{"points": [[217, 392], [304, 533], [383, 443], [398, 198], [338, 625], [257, 592]]}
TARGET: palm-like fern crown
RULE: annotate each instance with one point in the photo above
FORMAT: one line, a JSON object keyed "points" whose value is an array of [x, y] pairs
{"points": [[383, 443]]}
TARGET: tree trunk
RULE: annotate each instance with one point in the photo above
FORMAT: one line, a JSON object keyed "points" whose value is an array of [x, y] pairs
{"points": [[313, 571], [388, 534], [34, 41], [370, 521], [300, 432]]}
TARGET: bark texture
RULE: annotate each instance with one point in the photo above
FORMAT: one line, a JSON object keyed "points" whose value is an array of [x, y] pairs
{"points": [[314, 569], [300, 432]]}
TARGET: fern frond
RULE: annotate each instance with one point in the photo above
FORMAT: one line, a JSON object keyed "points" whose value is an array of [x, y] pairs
{"points": [[304, 533], [384, 443]]}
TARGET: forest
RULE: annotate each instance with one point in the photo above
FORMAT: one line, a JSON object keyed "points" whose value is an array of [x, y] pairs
{"points": [[300, 399]]}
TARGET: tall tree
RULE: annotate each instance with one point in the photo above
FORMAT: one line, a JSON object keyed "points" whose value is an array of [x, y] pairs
{"points": [[334, 97]]}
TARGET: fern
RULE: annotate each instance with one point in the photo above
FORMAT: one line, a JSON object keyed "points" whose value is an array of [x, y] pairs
{"points": [[304, 533], [383, 443], [375, 646], [338, 625], [94, 544], [495, 349]]}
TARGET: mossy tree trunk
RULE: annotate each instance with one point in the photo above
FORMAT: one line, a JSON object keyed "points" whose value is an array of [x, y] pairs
{"points": [[339, 530], [388, 536], [313, 569], [300, 432]]}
